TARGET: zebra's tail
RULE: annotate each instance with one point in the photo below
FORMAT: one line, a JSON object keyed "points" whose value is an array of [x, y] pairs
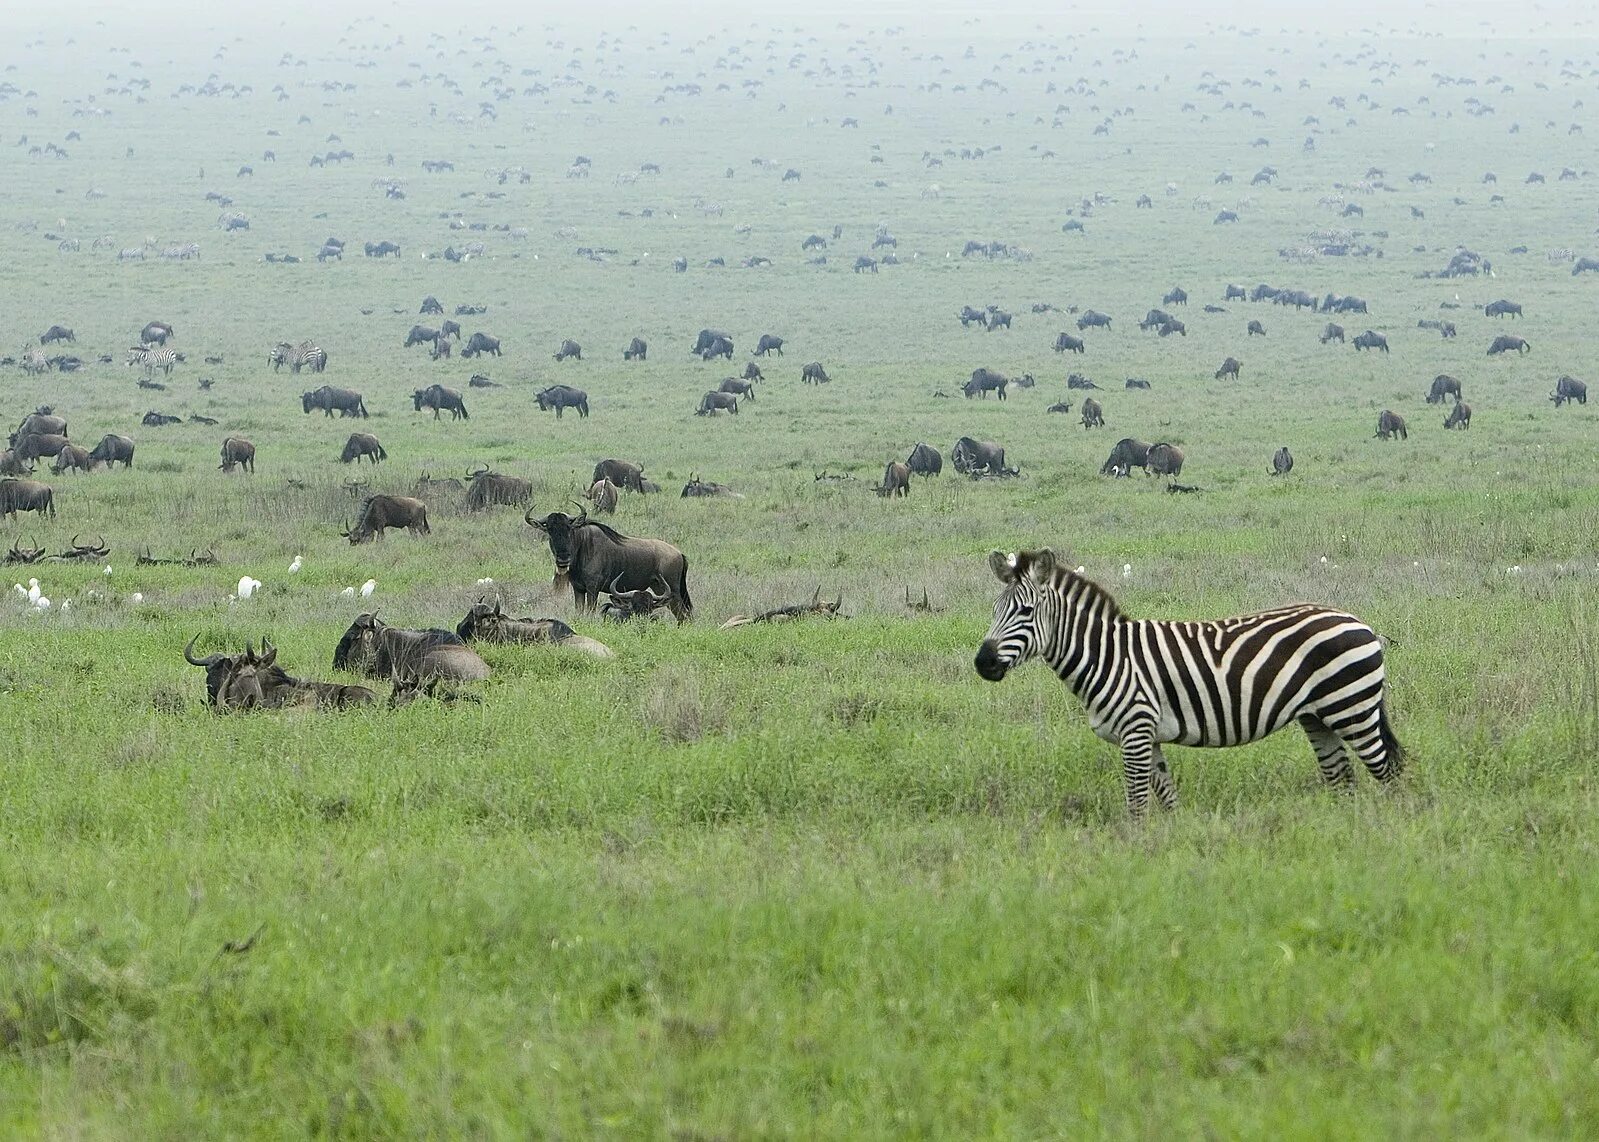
{"points": [[1394, 752]]}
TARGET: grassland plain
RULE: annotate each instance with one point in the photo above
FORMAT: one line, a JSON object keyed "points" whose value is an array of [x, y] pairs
{"points": [[814, 880]]}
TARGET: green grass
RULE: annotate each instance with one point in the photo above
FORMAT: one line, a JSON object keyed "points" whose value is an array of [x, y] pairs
{"points": [[814, 880]]}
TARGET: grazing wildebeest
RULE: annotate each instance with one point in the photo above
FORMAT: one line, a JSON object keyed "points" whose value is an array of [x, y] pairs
{"points": [[1459, 416], [57, 333], [970, 314], [1092, 318], [1584, 265], [1125, 455], [40, 424], [485, 623], [864, 264], [438, 398], [1093, 415], [978, 457], [1507, 341], [1569, 389], [381, 249], [814, 374], [603, 494], [111, 449], [481, 343], [707, 338], [1255, 329], [983, 382], [1333, 332], [593, 557], [1177, 296], [1501, 308], [925, 460], [1443, 385], [769, 343], [996, 318], [379, 513], [486, 488], [1282, 462], [569, 348], [623, 473], [745, 389], [719, 347], [637, 350], [697, 488], [362, 444], [26, 496], [1173, 326], [562, 397], [1229, 368], [348, 402], [1165, 460], [1391, 424], [421, 335], [237, 451], [72, 457], [36, 444], [373, 648], [714, 402], [1154, 319], [1371, 340], [1236, 293], [156, 333], [896, 480], [1065, 342]]}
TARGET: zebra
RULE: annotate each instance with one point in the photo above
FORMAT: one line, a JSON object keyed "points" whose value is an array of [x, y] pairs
{"points": [[1221, 683], [154, 357], [131, 253], [297, 357]]}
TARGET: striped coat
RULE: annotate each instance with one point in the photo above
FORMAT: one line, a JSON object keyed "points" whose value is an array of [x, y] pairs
{"points": [[1221, 683], [154, 357]]}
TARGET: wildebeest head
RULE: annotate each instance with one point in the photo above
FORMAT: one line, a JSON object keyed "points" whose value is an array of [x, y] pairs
{"points": [[233, 682], [561, 530], [623, 605], [358, 648]]}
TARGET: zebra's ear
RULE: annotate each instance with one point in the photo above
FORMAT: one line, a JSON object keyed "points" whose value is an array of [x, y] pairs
{"points": [[1003, 566], [1040, 564]]}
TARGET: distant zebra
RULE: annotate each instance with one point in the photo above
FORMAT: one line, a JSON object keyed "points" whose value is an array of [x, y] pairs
{"points": [[130, 253], [154, 357], [305, 355], [1221, 683]]}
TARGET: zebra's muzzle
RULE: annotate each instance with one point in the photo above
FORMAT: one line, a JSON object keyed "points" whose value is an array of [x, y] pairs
{"points": [[988, 662]]}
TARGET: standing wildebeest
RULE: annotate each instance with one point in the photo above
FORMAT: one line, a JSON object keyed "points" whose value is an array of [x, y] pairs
{"points": [[1500, 308], [71, 456], [111, 449], [593, 557], [1092, 318], [421, 335], [637, 350], [1165, 460], [1154, 319], [1065, 342], [1173, 326], [26, 496], [569, 348], [484, 623], [562, 397], [769, 343], [438, 398], [449, 328], [1255, 329], [381, 249], [602, 494], [1333, 332], [363, 444], [492, 488], [40, 424], [1229, 368], [996, 318], [156, 333], [377, 650], [327, 398], [1443, 385], [714, 402], [1236, 293], [1093, 415], [1459, 416], [57, 333], [1569, 389], [983, 382], [752, 372], [719, 347], [925, 460], [863, 264], [236, 450], [745, 389], [1508, 341], [978, 457], [1371, 340], [430, 304], [1282, 462], [378, 513], [814, 374], [969, 314], [1177, 296], [623, 473], [707, 338], [481, 343], [896, 480], [36, 444], [1391, 424], [1126, 455]]}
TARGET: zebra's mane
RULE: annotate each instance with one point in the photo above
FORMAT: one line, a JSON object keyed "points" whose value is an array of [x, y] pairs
{"points": [[1091, 591]]}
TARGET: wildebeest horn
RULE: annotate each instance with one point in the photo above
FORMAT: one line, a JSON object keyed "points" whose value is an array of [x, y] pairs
{"points": [[582, 509], [615, 587], [188, 655], [666, 591], [483, 470], [527, 518], [346, 531]]}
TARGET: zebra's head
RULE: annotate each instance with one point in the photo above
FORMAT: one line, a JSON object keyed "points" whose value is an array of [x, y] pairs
{"points": [[1013, 638]]}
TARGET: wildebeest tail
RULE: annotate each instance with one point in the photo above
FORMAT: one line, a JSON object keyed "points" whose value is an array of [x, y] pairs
{"points": [[682, 590], [382, 455]]}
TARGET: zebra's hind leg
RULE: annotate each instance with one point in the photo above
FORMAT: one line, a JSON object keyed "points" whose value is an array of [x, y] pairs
{"points": [[1165, 785], [1330, 756], [1138, 748]]}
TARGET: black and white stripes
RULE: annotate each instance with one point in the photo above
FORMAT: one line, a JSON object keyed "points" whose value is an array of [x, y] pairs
{"points": [[305, 355], [154, 357], [1220, 683]]}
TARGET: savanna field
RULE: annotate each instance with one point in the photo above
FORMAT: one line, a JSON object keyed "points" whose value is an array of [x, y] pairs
{"points": [[813, 878]]}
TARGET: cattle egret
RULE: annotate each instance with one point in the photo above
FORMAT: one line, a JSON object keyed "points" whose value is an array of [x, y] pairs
{"points": [[294, 568], [20, 590], [42, 603], [34, 593], [138, 598], [66, 606], [1127, 570], [348, 592], [485, 582], [368, 587], [107, 571], [248, 586]]}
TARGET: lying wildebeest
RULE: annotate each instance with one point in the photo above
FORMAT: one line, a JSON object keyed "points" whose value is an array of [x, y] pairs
{"points": [[1060, 406], [1443, 385], [707, 338], [714, 402], [40, 423], [637, 350], [1500, 308], [1507, 341], [1165, 460], [379, 513], [1371, 340], [481, 343], [745, 389], [1229, 368], [603, 494], [421, 335], [348, 402], [247, 681], [111, 449], [427, 482], [11, 466], [769, 343], [1459, 416], [561, 398], [1078, 381], [236, 450], [1092, 318], [1569, 389], [154, 419], [593, 557], [1093, 415], [1282, 462], [1154, 319], [698, 488], [1333, 332], [977, 456], [1126, 455], [374, 648], [621, 606], [362, 444], [896, 480], [623, 473], [57, 333], [925, 460], [814, 374], [1391, 424], [486, 488], [1065, 342], [983, 382], [72, 457], [1255, 329], [569, 348], [36, 444], [721, 347], [438, 398], [26, 496], [485, 623], [1136, 383]]}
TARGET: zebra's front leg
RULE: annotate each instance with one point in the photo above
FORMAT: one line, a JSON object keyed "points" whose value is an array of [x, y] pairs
{"points": [[1138, 750], [1165, 784]]}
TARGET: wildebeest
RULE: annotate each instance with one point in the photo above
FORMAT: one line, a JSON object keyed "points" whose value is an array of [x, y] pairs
{"points": [[592, 557], [57, 333], [1093, 415], [156, 333], [769, 343], [1282, 462], [1154, 319], [232, 682], [481, 343], [1583, 265], [427, 482], [374, 648], [36, 444], [984, 381], [1236, 293], [1165, 460], [970, 314], [72, 457], [430, 304], [719, 347], [382, 249], [348, 402], [863, 264], [745, 389], [561, 398], [1229, 368], [1443, 385], [486, 623], [486, 487], [438, 398], [752, 372], [708, 337], [1177, 296], [363, 444], [1092, 318], [449, 328], [26, 496], [1569, 389], [997, 318], [11, 466], [42, 423], [814, 374], [1135, 383], [1065, 342], [1125, 455], [623, 473], [154, 419], [1501, 308], [236, 451], [1255, 329], [697, 488], [1078, 381], [977, 456], [1459, 416], [925, 460], [637, 350], [1371, 340], [1333, 332], [569, 348], [896, 480], [379, 513], [1507, 341], [1060, 406], [714, 402], [111, 449], [603, 494], [1391, 424], [1173, 326], [421, 335]]}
